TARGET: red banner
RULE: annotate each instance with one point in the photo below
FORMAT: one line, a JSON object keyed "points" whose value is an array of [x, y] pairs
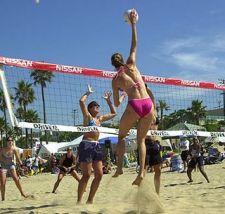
{"points": [[103, 74]]}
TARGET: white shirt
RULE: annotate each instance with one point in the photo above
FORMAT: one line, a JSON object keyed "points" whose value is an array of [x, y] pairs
{"points": [[184, 145], [36, 161]]}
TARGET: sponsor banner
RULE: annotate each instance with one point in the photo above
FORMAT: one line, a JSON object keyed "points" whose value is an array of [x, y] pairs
{"points": [[132, 132], [103, 74], [217, 134]]}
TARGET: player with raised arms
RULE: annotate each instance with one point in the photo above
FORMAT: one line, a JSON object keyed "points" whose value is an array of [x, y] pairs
{"points": [[140, 107], [90, 150]]}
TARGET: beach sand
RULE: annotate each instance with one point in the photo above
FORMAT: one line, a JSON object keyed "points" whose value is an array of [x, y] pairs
{"points": [[117, 195]]}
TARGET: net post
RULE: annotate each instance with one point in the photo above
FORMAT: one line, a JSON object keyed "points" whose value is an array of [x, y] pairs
{"points": [[12, 117]]}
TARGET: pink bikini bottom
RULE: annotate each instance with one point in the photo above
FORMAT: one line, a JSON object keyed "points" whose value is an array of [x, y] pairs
{"points": [[141, 106]]}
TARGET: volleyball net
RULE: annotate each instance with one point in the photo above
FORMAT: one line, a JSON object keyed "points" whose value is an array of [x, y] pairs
{"points": [[44, 96]]}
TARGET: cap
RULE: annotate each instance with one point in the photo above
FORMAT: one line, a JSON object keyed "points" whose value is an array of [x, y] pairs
{"points": [[93, 103]]}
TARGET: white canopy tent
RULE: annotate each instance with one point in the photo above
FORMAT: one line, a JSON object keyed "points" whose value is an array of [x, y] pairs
{"points": [[48, 149], [74, 144], [166, 143], [130, 145]]}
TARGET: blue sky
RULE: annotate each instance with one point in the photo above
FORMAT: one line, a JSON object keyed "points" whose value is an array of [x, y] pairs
{"points": [[176, 38]]}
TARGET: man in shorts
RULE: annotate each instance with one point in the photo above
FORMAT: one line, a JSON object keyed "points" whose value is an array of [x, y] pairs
{"points": [[184, 148]]}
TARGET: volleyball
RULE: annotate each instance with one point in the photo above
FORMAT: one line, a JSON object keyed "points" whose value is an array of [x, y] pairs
{"points": [[127, 15]]}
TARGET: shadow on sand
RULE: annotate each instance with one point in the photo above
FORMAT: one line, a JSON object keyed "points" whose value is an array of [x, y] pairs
{"points": [[29, 208]]}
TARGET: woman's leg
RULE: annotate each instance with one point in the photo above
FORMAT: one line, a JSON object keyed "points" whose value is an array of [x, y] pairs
{"points": [[189, 171], [157, 169], [144, 125], [86, 174], [2, 184], [201, 168], [17, 182], [126, 123], [59, 179], [75, 175], [98, 173]]}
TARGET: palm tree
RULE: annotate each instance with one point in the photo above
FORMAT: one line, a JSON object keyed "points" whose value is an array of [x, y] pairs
{"points": [[24, 96], [162, 106], [175, 117], [31, 116], [41, 78], [20, 113], [197, 111]]}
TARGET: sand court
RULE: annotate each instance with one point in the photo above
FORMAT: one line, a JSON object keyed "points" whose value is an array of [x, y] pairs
{"points": [[117, 195]]}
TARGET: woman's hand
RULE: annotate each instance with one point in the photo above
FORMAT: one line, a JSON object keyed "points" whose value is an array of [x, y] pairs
{"points": [[107, 95], [122, 96], [133, 16], [89, 89]]}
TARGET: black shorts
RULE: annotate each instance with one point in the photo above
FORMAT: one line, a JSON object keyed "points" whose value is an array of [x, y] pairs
{"points": [[194, 161], [153, 150], [155, 159], [184, 155], [62, 169], [90, 151]]}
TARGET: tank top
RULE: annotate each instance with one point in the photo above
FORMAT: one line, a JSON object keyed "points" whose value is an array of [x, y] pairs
{"points": [[7, 160], [68, 161]]}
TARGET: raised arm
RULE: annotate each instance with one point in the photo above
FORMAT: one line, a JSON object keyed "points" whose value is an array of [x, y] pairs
{"points": [[112, 113], [133, 20], [83, 100]]}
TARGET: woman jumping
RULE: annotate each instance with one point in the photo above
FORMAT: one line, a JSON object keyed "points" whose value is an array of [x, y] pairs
{"points": [[140, 107]]}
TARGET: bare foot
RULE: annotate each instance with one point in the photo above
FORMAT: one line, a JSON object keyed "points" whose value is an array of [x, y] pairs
{"points": [[25, 196], [190, 181], [137, 181], [117, 173]]}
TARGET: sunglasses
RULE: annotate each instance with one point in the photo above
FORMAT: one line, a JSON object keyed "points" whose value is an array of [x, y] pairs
{"points": [[98, 106], [10, 140]]}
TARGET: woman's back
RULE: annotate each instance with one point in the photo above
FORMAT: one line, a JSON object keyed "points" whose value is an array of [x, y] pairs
{"points": [[130, 81]]}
